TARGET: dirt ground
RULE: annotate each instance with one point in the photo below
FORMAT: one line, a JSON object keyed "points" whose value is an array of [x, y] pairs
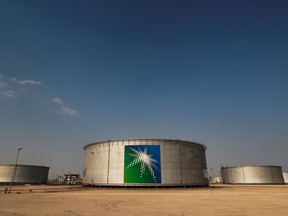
{"points": [[219, 200]]}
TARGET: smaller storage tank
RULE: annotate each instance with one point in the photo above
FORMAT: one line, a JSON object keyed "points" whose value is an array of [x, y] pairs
{"points": [[252, 175], [285, 176], [24, 174]]}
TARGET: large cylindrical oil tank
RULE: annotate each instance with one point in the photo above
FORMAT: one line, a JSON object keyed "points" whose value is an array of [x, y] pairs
{"points": [[145, 162], [252, 175], [23, 174], [285, 176]]}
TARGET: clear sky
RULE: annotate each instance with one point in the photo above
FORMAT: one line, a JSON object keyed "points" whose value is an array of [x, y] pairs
{"points": [[77, 72]]}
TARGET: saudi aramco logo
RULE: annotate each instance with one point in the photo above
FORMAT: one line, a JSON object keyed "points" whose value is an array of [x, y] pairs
{"points": [[142, 164]]}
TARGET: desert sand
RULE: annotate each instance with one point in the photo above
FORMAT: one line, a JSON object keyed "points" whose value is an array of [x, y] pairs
{"points": [[218, 200]]}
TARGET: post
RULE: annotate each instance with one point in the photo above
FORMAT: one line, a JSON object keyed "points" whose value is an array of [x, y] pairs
{"points": [[14, 171]]}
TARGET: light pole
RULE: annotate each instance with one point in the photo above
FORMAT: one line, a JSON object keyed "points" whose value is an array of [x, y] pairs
{"points": [[14, 171]]}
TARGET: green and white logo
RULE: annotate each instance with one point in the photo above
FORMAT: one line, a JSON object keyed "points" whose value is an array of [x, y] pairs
{"points": [[142, 164]]}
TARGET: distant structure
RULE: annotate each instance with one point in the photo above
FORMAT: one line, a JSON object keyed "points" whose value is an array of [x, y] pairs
{"points": [[252, 175], [145, 162], [24, 174], [71, 179], [285, 176], [215, 180]]}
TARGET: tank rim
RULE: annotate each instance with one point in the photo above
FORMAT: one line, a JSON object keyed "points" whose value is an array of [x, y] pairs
{"points": [[129, 139], [229, 167], [23, 165]]}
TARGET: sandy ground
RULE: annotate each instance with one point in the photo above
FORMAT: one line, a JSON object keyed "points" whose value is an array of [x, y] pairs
{"points": [[221, 200]]}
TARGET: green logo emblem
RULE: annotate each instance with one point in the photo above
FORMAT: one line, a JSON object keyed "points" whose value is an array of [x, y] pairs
{"points": [[142, 164]]}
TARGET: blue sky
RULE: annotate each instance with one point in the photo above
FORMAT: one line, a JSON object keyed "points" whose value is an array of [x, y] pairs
{"points": [[77, 72]]}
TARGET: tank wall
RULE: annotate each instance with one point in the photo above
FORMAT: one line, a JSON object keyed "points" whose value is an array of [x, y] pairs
{"points": [[285, 176], [182, 163], [24, 174], [116, 164], [96, 164], [170, 164], [252, 175], [192, 164]]}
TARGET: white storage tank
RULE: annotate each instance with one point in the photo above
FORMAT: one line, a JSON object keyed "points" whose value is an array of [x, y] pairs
{"points": [[145, 162], [24, 174], [252, 175]]}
